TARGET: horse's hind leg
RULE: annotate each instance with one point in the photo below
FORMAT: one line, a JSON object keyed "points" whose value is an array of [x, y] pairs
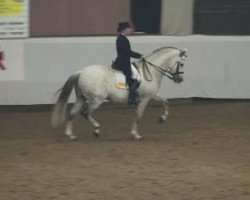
{"points": [[87, 110], [73, 112]]}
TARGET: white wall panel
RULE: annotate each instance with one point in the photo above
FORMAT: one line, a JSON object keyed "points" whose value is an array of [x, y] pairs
{"points": [[217, 67]]}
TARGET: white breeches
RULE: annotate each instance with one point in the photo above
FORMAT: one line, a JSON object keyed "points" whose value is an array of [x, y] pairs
{"points": [[135, 73]]}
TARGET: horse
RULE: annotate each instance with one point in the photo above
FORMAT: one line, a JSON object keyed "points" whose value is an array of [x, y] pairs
{"points": [[96, 84]]}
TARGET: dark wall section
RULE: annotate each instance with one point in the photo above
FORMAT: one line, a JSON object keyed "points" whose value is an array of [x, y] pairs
{"points": [[77, 17], [222, 17], [146, 15]]}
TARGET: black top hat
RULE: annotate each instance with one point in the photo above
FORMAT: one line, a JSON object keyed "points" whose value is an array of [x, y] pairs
{"points": [[122, 26]]}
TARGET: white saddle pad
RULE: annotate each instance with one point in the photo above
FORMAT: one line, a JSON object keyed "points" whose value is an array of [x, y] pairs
{"points": [[121, 79]]}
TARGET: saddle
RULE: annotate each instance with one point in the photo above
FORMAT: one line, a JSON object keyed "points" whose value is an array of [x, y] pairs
{"points": [[121, 79]]}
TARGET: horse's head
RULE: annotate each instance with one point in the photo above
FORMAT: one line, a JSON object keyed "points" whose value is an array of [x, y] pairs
{"points": [[176, 71], [168, 61]]}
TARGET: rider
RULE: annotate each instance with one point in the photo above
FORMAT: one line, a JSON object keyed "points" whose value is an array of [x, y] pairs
{"points": [[122, 62]]}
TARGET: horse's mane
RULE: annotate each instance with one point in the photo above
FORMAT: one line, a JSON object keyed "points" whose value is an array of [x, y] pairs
{"points": [[138, 62], [160, 49]]}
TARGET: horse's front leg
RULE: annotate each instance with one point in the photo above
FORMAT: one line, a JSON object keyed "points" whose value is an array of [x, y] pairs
{"points": [[140, 110], [164, 101]]}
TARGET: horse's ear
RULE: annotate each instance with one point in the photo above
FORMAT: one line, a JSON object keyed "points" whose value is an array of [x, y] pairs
{"points": [[183, 53]]}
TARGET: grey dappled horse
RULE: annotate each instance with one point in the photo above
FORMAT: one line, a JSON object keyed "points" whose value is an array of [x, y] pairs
{"points": [[97, 84]]}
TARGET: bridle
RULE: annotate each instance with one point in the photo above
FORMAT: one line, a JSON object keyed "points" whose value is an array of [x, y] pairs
{"points": [[168, 72]]}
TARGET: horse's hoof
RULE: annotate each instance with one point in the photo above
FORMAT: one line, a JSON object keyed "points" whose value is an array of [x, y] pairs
{"points": [[162, 118], [138, 137], [97, 132], [72, 137]]}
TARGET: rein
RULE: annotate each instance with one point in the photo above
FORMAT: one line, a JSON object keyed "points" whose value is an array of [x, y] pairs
{"points": [[165, 72]]}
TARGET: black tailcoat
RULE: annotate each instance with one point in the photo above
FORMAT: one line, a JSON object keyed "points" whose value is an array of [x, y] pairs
{"points": [[124, 53]]}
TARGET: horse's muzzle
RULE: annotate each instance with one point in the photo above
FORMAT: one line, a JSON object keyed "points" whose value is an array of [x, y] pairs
{"points": [[177, 78]]}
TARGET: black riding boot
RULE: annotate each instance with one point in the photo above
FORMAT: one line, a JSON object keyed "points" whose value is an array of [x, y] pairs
{"points": [[133, 97]]}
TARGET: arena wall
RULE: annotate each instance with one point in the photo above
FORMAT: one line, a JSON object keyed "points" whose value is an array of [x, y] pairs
{"points": [[216, 67]]}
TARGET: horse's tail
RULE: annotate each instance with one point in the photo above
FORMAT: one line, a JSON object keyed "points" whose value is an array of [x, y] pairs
{"points": [[58, 114]]}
